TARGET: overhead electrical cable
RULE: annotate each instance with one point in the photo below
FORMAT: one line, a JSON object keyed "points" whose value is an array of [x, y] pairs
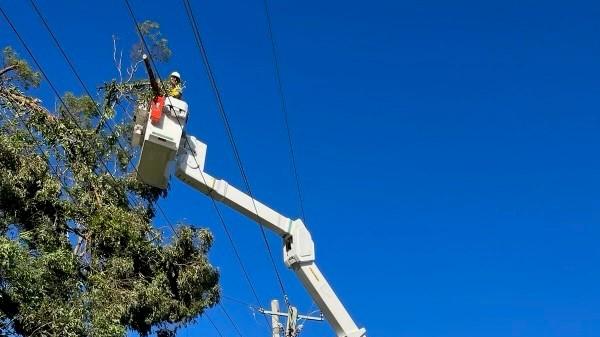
{"points": [[237, 330], [235, 300], [284, 106], [213, 324], [225, 118], [284, 110]]}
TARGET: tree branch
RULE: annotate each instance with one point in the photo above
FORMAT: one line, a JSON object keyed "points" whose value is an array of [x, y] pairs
{"points": [[23, 101], [7, 69], [117, 63]]}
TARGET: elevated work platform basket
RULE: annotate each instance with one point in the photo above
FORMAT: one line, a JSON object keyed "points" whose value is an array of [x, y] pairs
{"points": [[161, 141]]}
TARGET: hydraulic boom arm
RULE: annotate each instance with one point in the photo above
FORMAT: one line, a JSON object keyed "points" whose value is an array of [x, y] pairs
{"points": [[298, 247]]}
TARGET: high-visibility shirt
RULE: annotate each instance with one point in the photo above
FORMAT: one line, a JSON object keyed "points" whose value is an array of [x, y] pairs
{"points": [[176, 91]]}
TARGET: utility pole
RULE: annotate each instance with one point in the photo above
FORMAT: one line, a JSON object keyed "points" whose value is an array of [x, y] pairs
{"points": [[292, 329], [276, 326]]}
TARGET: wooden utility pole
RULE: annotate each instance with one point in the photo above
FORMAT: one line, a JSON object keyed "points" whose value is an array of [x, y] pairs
{"points": [[275, 325]]}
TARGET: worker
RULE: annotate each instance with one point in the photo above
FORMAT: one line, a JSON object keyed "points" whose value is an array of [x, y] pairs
{"points": [[175, 89]]}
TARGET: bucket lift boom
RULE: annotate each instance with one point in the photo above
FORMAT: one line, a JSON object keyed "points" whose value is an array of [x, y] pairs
{"points": [[298, 246]]}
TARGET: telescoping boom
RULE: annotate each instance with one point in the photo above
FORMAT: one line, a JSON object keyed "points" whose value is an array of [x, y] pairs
{"points": [[298, 246]]}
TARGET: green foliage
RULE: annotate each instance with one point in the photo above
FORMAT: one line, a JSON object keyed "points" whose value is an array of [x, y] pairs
{"points": [[17, 71], [158, 45], [78, 253]]}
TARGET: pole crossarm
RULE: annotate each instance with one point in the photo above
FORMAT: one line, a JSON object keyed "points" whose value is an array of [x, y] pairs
{"points": [[285, 314]]}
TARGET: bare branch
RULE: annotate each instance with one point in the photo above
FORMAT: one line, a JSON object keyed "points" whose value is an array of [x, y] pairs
{"points": [[133, 69], [118, 63]]}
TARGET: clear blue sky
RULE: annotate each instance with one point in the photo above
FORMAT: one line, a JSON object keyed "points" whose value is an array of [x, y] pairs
{"points": [[448, 151]]}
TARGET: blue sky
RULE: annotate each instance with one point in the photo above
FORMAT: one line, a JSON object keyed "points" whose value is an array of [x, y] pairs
{"points": [[447, 151]]}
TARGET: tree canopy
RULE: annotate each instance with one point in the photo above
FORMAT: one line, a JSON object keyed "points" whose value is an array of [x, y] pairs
{"points": [[79, 255]]}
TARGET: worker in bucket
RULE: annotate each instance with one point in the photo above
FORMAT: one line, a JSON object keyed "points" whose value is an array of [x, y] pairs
{"points": [[175, 87]]}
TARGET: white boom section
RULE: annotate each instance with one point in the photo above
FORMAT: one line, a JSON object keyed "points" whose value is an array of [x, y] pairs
{"points": [[298, 248]]}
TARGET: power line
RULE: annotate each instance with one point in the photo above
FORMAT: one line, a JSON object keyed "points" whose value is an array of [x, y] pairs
{"points": [[283, 105], [213, 324], [229, 131], [220, 216], [284, 109], [237, 330], [232, 299]]}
